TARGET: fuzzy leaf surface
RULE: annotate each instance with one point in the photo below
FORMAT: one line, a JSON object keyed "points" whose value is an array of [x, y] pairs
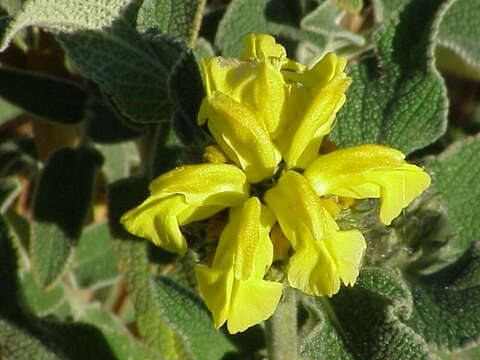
{"points": [[445, 311], [39, 301], [9, 189], [460, 31], [325, 20], [8, 111], [120, 341], [364, 322], [455, 182], [276, 17], [177, 17], [17, 344], [132, 253], [95, 262], [397, 98], [61, 203], [103, 45], [191, 320], [66, 100]]}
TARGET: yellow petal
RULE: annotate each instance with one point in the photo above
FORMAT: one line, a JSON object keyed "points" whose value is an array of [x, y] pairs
{"points": [[259, 86], [216, 288], [269, 94], [233, 288], [324, 255], [369, 171], [204, 184], [247, 235], [281, 245], [213, 154], [183, 195], [296, 208], [262, 47], [401, 186], [240, 135], [312, 107], [312, 269], [321, 73], [347, 249], [156, 219], [229, 76], [254, 301]]}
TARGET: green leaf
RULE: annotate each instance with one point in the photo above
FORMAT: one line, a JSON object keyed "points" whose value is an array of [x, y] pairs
{"points": [[472, 353], [460, 32], [186, 92], [47, 97], [120, 341], [17, 343], [10, 307], [177, 17], [325, 20], [61, 203], [14, 159], [75, 341], [8, 111], [169, 151], [23, 336], [104, 125], [133, 258], [384, 8], [276, 17], [9, 190], [363, 322], [455, 183], [39, 301], [95, 263], [446, 304], [119, 158], [134, 67], [20, 232], [190, 319], [203, 49], [397, 98], [12, 6]]}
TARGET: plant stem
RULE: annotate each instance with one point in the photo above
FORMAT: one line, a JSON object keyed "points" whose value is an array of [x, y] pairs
{"points": [[281, 329]]}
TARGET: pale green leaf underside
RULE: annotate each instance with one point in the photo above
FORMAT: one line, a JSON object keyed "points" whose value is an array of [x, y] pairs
{"points": [[384, 8], [325, 20], [95, 262], [120, 341], [460, 30]]}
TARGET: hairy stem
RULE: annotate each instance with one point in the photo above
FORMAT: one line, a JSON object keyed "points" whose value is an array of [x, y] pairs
{"points": [[281, 329]]}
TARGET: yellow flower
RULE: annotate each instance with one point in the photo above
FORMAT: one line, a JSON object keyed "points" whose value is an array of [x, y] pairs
{"points": [[269, 115], [233, 287], [324, 255], [369, 171], [183, 195]]}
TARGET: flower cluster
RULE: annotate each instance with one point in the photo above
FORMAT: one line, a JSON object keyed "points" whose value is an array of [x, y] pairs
{"points": [[269, 115]]}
